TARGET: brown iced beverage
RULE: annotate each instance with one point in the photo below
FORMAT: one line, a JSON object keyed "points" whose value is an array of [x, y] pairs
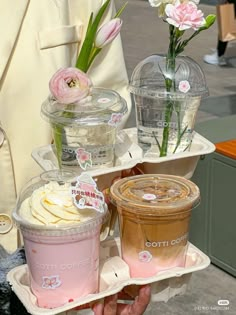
{"points": [[154, 214]]}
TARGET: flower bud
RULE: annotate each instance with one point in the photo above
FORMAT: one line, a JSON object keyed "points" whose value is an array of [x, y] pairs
{"points": [[108, 32]]}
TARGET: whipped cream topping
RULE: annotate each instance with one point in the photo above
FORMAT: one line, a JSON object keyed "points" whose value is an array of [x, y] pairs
{"points": [[52, 204]]}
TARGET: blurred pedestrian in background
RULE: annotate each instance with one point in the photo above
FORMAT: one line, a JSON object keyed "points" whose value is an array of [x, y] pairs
{"points": [[217, 57]]}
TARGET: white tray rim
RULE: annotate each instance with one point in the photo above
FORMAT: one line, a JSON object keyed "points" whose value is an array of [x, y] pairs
{"points": [[206, 148], [26, 296]]}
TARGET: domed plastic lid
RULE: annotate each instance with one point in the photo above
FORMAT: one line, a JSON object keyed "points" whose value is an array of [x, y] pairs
{"points": [[60, 203], [96, 108], [148, 77], [156, 195]]}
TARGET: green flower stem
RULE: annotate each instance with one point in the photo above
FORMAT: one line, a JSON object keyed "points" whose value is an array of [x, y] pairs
{"points": [[166, 130], [170, 86], [179, 126], [176, 46], [158, 144], [57, 134], [180, 135], [175, 36], [178, 122], [95, 51]]}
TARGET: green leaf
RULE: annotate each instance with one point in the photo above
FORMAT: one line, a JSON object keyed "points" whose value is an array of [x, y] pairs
{"points": [[89, 23], [210, 20], [179, 33], [119, 12], [84, 55], [58, 131]]}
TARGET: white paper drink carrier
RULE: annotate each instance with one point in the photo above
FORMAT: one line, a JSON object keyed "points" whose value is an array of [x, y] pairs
{"points": [[114, 272], [128, 154], [114, 276]]}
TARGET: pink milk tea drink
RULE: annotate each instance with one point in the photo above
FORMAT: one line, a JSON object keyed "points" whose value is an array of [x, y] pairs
{"points": [[60, 219], [154, 213]]}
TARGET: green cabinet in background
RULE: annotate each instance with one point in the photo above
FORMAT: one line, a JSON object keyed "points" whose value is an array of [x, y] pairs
{"points": [[213, 222]]}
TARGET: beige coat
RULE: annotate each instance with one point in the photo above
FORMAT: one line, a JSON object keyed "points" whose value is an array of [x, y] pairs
{"points": [[37, 38]]}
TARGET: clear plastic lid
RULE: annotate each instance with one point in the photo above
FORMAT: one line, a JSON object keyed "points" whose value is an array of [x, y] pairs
{"points": [[96, 108], [148, 77], [46, 205], [157, 195]]}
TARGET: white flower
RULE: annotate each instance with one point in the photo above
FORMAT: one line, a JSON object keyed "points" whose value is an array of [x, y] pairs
{"points": [[157, 3], [195, 1]]}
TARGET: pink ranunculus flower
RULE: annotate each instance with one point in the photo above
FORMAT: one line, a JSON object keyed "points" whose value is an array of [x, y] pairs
{"points": [[70, 85], [184, 15], [108, 32]]}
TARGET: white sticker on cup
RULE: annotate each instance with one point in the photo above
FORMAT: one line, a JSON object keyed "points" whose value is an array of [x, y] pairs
{"points": [[86, 195], [149, 197]]}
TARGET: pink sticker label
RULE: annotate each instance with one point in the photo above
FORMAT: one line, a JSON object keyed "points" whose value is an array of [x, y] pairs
{"points": [[104, 100], [149, 197], [86, 195], [145, 256], [51, 282], [184, 86], [115, 119], [84, 158]]}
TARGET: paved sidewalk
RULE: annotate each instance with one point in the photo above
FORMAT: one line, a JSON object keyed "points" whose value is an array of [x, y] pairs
{"points": [[144, 34]]}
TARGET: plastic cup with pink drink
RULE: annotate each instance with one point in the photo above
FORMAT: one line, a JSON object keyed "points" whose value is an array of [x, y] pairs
{"points": [[154, 214], [60, 218]]}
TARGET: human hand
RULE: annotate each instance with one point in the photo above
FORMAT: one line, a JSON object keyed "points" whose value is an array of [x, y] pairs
{"points": [[111, 307]]}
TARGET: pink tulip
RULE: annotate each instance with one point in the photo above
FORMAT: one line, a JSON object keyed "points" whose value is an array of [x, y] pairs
{"points": [[108, 32], [70, 85], [184, 15]]}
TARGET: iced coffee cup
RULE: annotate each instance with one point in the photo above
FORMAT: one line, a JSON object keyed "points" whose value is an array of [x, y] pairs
{"points": [[154, 214], [60, 218]]}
